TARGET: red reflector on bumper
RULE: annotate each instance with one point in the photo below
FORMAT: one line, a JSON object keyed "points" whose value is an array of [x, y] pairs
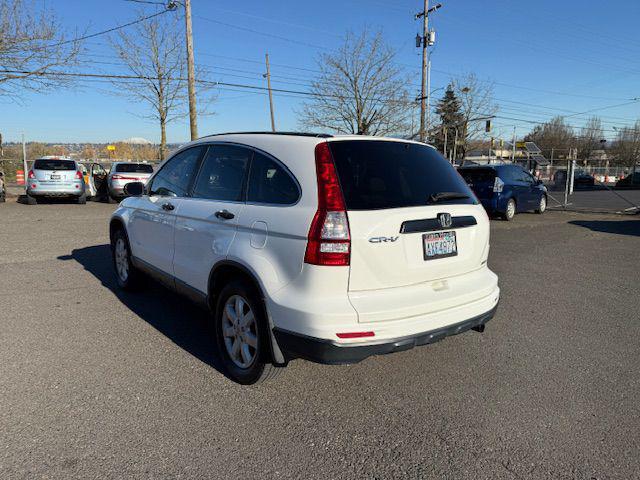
{"points": [[355, 334]]}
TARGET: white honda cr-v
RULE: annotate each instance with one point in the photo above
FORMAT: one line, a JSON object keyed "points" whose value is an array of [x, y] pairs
{"points": [[327, 248]]}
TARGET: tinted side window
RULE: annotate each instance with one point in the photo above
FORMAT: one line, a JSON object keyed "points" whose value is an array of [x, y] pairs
{"points": [[270, 183], [223, 173], [175, 176]]}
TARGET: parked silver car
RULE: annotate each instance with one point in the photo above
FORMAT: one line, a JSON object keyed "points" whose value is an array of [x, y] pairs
{"points": [[55, 177], [126, 172]]}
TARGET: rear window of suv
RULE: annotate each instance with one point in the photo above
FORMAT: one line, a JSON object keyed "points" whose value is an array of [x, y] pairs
{"points": [[383, 174], [52, 164], [478, 175], [134, 168]]}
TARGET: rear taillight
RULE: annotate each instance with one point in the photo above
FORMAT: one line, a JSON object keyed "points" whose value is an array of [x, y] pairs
{"points": [[329, 242], [31, 174], [498, 185], [78, 174]]}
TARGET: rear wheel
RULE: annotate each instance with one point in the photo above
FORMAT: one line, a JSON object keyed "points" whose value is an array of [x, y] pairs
{"points": [[127, 275], [510, 211], [110, 199], [3, 197], [241, 334], [543, 205], [82, 199], [31, 200]]}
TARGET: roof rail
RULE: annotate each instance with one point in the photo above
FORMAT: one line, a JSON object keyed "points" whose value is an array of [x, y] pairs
{"points": [[297, 134]]}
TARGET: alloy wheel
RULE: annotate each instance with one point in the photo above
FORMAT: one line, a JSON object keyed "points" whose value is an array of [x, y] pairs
{"points": [[240, 331], [122, 260]]}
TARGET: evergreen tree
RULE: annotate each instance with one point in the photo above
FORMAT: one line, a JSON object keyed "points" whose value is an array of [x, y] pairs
{"points": [[451, 117]]}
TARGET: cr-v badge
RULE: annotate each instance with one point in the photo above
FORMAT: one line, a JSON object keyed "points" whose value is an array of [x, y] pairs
{"points": [[382, 239]]}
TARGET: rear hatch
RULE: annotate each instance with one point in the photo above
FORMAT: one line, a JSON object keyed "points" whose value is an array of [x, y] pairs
{"points": [[480, 180], [53, 171], [412, 218]]}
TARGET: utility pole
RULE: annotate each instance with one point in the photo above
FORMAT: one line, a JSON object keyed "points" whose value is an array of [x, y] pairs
{"points": [[268, 77], [428, 98], [425, 55], [426, 40], [513, 154], [193, 119]]}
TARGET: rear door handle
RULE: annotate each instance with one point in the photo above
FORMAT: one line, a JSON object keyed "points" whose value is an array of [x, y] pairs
{"points": [[224, 214], [167, 206]]}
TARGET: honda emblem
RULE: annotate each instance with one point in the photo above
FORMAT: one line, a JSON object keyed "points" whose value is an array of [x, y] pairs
{"points": [[445, 220]]}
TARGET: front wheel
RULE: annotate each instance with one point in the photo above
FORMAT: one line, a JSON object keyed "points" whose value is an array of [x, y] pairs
{"points": [[543, 205], [241, 335], [510, 211], [127, 276]]}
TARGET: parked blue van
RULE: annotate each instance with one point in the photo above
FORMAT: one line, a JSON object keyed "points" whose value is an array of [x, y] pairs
{"points": [[505, 189]]}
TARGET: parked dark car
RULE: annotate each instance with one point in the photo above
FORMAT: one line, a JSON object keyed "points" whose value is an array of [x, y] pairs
{"points": [[630, 181], [506, 189], [582, 179]]}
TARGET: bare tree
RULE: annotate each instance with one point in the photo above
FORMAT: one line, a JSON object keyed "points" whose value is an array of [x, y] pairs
{"points": [[31, 46], [476, 102], [626, 147], [359, 90], [154, 52], [590, 138], [554, 134]]}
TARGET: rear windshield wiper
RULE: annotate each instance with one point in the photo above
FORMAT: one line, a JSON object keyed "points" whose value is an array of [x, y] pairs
{"points": [[436, 197]]}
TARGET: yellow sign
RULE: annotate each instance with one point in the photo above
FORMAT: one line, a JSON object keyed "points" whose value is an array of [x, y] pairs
{"points": [[111, 148], [521, 145]]}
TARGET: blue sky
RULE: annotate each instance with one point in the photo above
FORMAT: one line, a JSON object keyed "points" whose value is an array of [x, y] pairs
{"points": [[543, 58]]}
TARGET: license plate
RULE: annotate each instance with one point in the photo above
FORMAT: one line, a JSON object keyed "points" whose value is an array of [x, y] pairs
{"points": [[439, 245], [55, 177]]}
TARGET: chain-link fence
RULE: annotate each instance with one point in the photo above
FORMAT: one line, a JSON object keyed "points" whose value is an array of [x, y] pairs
{"points": [[598, 188]]}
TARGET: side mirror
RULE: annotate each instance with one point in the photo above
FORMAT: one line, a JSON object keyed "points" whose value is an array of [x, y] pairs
{"points": [[134, 189]]}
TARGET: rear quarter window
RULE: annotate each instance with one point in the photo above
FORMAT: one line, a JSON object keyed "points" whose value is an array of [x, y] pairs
{"points": [[384, 174]]}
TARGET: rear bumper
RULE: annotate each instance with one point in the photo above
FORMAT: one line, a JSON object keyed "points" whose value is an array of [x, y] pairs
{"points": [[320, 350], [51, 190]]}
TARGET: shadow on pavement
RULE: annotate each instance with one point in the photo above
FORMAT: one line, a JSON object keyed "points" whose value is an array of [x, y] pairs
{"points": [[622, 227], [172, 315]]}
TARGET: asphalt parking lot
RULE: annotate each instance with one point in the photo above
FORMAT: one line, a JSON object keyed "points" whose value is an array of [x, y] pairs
{"points": [[95, 383]]}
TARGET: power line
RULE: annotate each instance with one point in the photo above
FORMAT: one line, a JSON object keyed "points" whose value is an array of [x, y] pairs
{"points": [[78, 39]]}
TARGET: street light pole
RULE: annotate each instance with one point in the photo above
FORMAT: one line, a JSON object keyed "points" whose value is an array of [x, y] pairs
{"points": [[193, 119]]}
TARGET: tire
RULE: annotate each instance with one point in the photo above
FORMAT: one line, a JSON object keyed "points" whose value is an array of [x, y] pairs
{"points": [[3, 197], [251, 362], [542, 206], [127, 276], [31, 200], [510, 211], [110, 199], [82, 199]]}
